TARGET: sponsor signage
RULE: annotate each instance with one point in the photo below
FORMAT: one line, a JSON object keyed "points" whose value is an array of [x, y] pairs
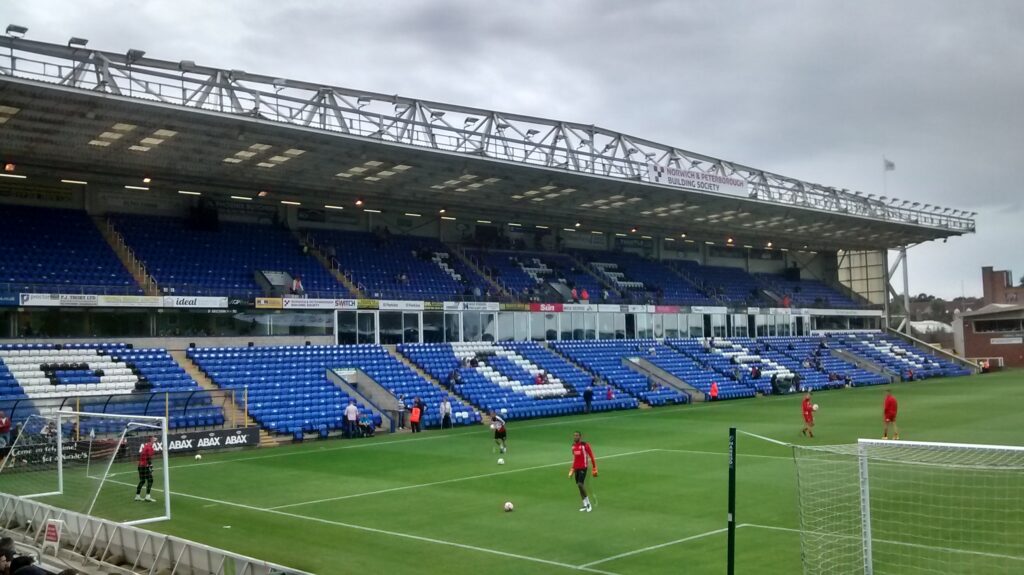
{"points": [[709, 309], [1006, 340], [269, 303], [346, 304], [435, 306], [367, 304], [88, 300], [695, 180], [194, 441], [841, 312], [8, 300], [667, 309], [195, 301], [546, 307], [515, 307], [580, 307], [401, 305], [632, 308], [608, 307], [307, 303], [471, 306]]}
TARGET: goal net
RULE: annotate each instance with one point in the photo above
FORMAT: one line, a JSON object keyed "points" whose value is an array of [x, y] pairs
{"points": [[911, 508], [89, 463]]}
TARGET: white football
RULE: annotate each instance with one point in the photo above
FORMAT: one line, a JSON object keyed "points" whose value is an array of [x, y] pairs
{"points": [[198, 456], [494, 426], [501, 461], [815, 407], [508, 506]]}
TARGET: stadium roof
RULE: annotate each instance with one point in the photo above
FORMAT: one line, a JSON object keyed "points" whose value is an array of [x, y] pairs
{"points": [[71, 113]]}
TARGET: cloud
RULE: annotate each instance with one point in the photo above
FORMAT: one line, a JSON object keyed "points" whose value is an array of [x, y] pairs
{"points": [[818, 90]]}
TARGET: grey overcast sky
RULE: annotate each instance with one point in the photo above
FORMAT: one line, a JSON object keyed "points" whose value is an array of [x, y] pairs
{"points": [[818, 90]]}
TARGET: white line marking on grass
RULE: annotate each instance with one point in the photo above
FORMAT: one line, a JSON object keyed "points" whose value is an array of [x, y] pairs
{"points": [[899, 543], [386, 532], [723, 453], [653, 547], [444, 481]]}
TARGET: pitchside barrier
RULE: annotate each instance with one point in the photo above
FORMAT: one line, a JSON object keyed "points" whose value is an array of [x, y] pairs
{"points": [[142, 551]]}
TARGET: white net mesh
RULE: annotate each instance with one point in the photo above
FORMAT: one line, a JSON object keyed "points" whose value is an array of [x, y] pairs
{"points": [[98, 471], [909, 508]]}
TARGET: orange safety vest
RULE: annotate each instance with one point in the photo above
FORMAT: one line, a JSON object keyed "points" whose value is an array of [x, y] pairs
{"points": [[414, 417]]}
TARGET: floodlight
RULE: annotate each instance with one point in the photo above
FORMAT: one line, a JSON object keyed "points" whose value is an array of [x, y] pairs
{"points": [[186, 65], [78, 42], [15, 31], [362, 101], [135, 55]]}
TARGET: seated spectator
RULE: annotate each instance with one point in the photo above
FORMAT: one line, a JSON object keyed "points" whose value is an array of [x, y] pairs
{"points": [[539, 378], [297, 289], [604, 295], [366, 427], [473, 362], [584, 295]]}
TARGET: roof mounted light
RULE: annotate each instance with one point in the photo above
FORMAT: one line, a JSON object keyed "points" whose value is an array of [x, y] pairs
{"points": [[77, 42], [15, 31]]}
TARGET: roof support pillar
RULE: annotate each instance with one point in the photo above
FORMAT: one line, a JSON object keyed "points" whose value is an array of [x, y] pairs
{"points": [[891, 294]]}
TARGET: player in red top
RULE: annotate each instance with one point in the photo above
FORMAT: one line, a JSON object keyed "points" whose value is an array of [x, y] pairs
{"points": [[582, 458], [146, 452], [808, 409], [889, 409]]}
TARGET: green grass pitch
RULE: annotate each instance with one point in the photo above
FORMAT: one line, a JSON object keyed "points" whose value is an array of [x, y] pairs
{"points": [[432, 503]]}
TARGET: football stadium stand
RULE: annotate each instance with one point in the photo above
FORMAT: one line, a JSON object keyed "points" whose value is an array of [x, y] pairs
{"points": [[104, 378], [223, 261], [505, 380], [45, 250], [289, 391], [604, 359], [388, 266], [807, 292], [897, 357]]}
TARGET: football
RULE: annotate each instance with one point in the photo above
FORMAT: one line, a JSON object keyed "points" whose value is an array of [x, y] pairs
{"points": [[508, 506], [815, 407], [501, 461], [198, 456]]}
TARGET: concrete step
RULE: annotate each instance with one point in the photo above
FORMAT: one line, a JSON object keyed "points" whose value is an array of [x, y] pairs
{"points": [[128, 259]]}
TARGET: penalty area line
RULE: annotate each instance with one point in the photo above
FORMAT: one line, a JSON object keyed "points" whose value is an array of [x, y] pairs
{"points": [[653, 547]]}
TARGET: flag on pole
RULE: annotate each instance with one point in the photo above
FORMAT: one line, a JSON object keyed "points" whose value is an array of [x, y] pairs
{"points": [[888, 165]]}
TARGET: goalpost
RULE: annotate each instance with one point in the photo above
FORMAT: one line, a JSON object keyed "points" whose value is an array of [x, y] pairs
{"points": [[911, 508], [87, 463]]}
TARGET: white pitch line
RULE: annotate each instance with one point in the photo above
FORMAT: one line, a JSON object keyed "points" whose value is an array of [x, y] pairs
{"points": [[723, 453], [442, 482], [899, 543], [653, 547], [386, 532]]}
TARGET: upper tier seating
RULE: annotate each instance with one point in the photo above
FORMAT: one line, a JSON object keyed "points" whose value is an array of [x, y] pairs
{"points": [[376, 262], [808, 292], [728, 362], [289, 391], [57, 251], [729, 284], [643, 280], [604, 359], [185, 261]]}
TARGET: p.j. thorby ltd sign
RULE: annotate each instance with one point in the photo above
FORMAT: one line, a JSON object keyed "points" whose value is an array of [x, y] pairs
{"points": [[695, 180]]}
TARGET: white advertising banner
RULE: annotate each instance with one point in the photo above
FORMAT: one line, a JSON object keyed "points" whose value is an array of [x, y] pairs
{"points": [[581, 307], [709, 309], [349, 304], [471, 306], [195, 301], [307, 303], [695, 180], [88, 300], [400, 305], [1006, 340]]}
